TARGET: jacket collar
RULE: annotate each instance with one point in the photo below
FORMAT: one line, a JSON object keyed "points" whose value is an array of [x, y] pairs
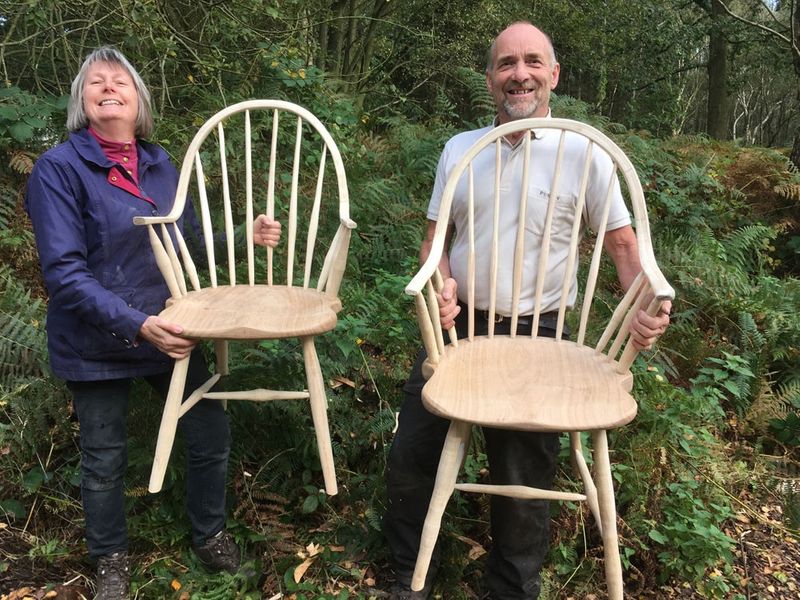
{"points": [[89, 150]]}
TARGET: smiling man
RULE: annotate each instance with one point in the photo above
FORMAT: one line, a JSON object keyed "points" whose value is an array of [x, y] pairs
{"points": [[521, 72]]}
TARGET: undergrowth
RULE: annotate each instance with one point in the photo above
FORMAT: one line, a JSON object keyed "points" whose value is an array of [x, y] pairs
{"points": [[726, 377]]}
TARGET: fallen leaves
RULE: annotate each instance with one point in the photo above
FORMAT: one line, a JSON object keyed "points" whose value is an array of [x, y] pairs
{"points": [[311, 552], [60, 592]]}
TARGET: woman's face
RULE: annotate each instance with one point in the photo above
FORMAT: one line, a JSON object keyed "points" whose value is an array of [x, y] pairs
{"points": [[110, 100]]}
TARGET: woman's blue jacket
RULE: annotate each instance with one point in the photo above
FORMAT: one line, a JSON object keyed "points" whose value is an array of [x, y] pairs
{"points": [[98, 267]]}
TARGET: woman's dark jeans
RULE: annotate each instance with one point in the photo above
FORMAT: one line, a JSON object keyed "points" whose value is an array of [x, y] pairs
{"points": [[102, 408]]}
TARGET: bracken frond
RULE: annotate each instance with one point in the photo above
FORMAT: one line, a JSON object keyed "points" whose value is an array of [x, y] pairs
{"points": [[772, 403], [789, 191], [23, 342], [479, 97], [22, 162]]}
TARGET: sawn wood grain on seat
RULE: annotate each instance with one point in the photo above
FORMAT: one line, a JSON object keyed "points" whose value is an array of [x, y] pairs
{"points": [[524, 384], [253, 312]]}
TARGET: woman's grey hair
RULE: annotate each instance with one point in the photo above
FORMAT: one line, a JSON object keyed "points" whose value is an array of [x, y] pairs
{"points": [[76, 115]]}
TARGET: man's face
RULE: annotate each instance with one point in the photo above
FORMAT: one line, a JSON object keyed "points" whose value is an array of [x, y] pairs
{"points": [[521, 74]]}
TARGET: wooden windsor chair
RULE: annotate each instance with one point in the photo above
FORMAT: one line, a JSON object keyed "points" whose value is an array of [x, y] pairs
{"points": [[529, 382], [284, 301]]}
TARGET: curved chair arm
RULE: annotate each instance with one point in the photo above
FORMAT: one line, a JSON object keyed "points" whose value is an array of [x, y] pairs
{"points": [[655, 289], [330, 277]]}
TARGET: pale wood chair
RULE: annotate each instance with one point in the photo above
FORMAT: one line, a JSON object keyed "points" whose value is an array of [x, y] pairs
{"points": [[528, 382], [277, 164]]}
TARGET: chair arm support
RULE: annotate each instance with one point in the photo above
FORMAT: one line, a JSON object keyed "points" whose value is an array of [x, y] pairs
{"points": [[659, 286], [661, 292], [154, 220], [336, 259]]}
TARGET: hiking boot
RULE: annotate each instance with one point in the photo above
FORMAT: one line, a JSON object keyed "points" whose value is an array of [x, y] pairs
{"points": [[398, 591], [219, 553], [113, 576]]}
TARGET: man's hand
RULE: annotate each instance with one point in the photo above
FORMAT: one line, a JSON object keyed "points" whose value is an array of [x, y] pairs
{"points": [[164, 336], [448, 303], [266, 231], [645, 330]]}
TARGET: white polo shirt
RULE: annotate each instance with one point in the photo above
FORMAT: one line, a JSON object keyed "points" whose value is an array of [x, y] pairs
{"points": [[542, 163]]}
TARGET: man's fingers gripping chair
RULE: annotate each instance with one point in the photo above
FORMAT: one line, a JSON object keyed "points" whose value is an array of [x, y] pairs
{"points": [[528, 382], [276, 161]]}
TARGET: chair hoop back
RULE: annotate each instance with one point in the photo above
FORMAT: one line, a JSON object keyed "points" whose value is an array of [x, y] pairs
{"points": [[293, 190], [526, 239]]}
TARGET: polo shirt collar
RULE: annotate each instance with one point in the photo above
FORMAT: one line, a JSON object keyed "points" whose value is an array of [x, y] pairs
{"points": [[540, 133]]}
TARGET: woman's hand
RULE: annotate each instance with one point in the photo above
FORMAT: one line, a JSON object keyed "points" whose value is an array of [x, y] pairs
{"points": [[165, 336], [266, 231], [645, 330]]}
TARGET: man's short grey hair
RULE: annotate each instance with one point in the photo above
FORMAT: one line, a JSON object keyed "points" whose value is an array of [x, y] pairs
{"points": [[493, 47], [76, 115]]}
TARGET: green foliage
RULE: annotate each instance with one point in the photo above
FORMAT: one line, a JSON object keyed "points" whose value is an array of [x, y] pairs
{"points": [[727, 378], [787, 429], [724, 228], [24, 115], [690, 532], [23, 351]]}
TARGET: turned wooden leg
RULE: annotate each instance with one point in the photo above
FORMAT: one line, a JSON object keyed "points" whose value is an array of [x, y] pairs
{"points": [[579, 463], [453, 452], [221, 352], [169, 424], [319, 413], [608, 515]]}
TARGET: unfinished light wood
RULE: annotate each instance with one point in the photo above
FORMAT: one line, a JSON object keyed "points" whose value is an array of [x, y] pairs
{"points": [[534, 385], [530, 382], [254, 312], [241, 302]]}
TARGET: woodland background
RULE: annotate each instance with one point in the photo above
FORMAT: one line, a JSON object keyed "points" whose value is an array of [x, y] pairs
{"points": [[703, 95]]}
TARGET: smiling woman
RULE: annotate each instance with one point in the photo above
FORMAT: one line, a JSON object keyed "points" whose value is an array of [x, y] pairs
{"points": [[106, 291], [110, 101], [108, 69]]}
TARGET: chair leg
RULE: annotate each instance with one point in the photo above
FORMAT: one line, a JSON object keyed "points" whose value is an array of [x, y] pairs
{"points": [[319, 413], [453, 452], [169, 424], [608, 514], [221, 352], [579, 465]]}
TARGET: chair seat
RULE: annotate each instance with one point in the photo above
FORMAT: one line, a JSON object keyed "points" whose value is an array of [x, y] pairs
{"points": [[245, 312], [529, 384]]}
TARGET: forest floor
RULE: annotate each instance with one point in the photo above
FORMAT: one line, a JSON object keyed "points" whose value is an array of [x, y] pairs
{"points": [[767, 565]]}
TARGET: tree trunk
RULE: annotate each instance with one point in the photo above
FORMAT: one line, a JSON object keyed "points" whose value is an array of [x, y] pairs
{"points": [[719, 102], [322, 43], [795, 154]]}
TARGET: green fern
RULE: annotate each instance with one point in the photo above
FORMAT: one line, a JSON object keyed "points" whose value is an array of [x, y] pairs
{"points": [[746, 247], [480, 99], [23, 342], [752, 339], [8, 205]]}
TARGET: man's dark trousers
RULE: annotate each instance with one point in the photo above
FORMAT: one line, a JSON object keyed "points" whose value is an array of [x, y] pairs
{"points": [[519, 528]]}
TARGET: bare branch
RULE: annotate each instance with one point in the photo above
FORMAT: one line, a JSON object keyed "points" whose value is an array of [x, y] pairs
{"points": [[762, 27]]}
